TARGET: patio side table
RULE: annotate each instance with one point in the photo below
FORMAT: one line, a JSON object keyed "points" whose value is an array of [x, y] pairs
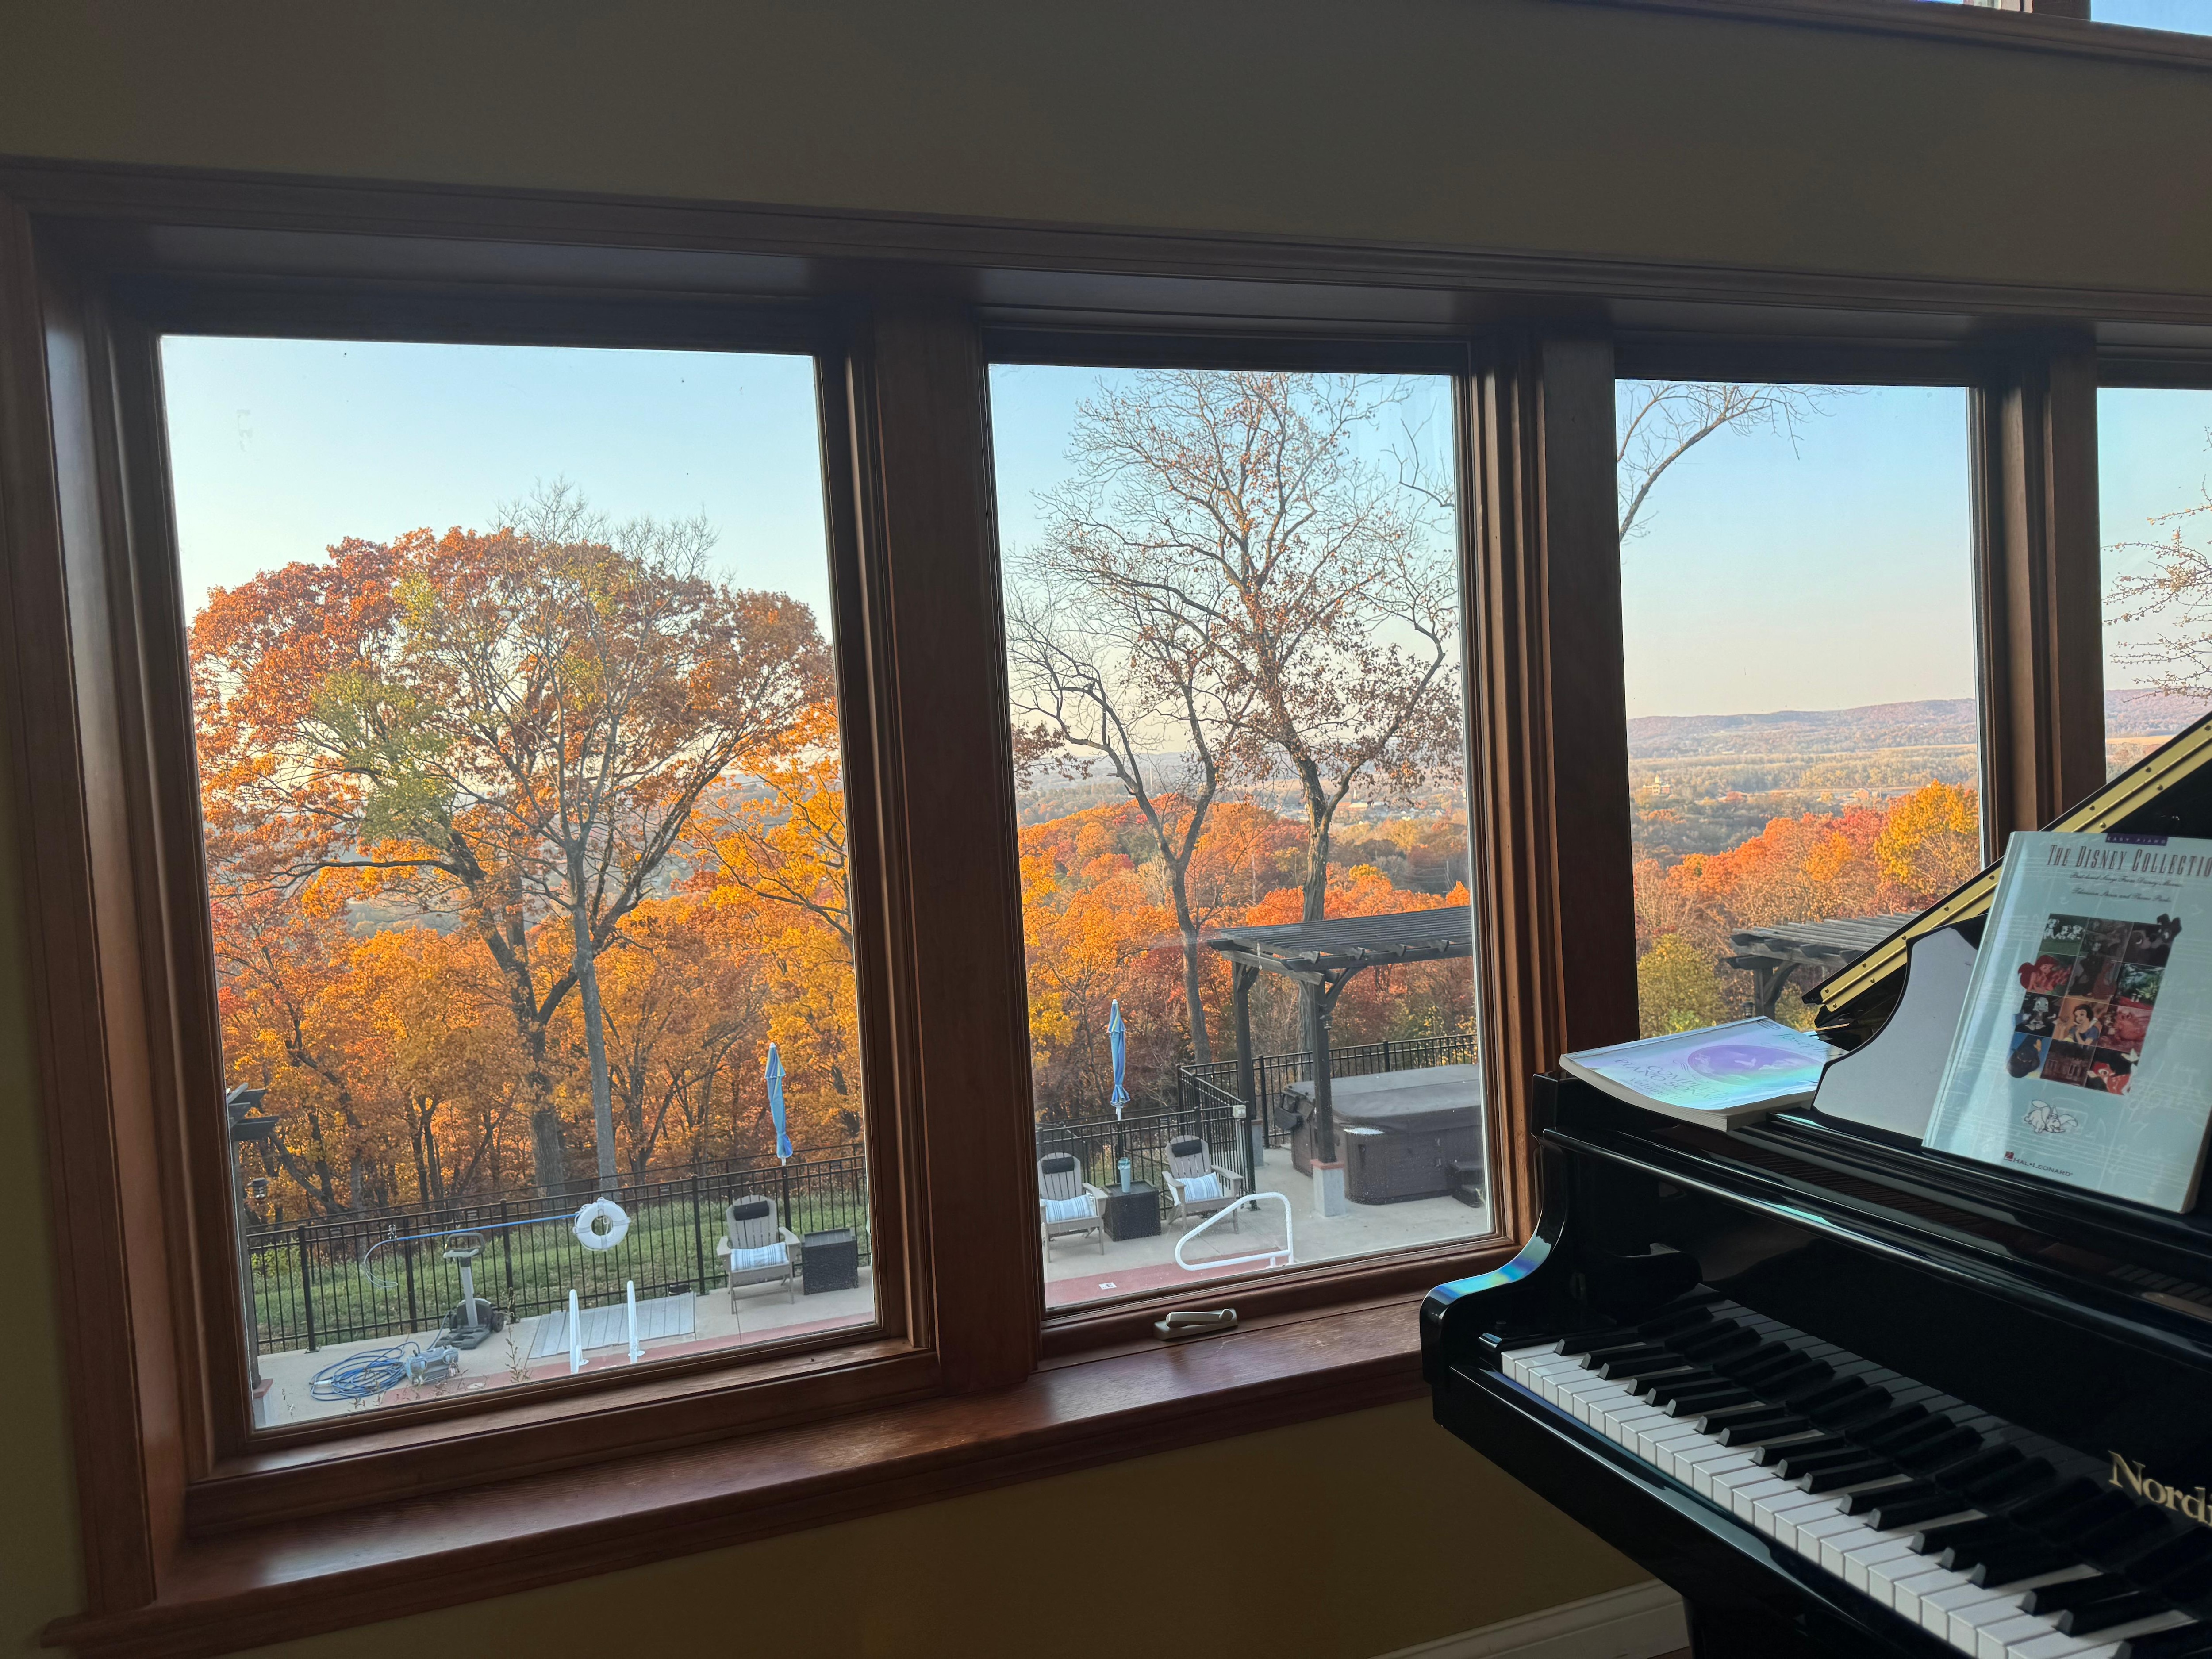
{"points": [[1133, 1214], [829, 1261]]}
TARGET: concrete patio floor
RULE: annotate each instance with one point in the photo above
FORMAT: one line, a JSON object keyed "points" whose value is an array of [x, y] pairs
{"points": [[1078, 1271], [762, 1315]]}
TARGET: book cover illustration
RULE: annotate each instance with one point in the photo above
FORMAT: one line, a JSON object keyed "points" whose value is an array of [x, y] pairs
{"points": [[1747, 1066], [2084, 1051]]}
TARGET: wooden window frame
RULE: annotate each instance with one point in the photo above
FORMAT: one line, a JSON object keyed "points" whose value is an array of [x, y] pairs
{"points": [[194, 1547]]}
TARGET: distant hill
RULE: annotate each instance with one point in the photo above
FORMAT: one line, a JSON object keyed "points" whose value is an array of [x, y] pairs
{"points": [[1937, 722]]}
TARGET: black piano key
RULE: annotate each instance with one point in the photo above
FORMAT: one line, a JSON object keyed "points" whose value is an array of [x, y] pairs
{"points": [[1887, 1514], [1963, 1472], [1707, 1347], [1923, 1456], [1590, 1342], [2060, 1507], [1816, 1402], [2104, 1615], [1854, 1414], [2177, 1561], [1761, 1434], [1676, 1381], [2012, 1487], [1801, 1448], [2072, 1593], [1790, 1461], [1757, 1414], [2008, 1564], [1936, 1540], [1895, 1424], [2123, 1536], [1697, 1406], [1780, 1371], [1630, 1368], [1678, 1319], [1628, 1353], [1837, 1476], [2182, 1642]]}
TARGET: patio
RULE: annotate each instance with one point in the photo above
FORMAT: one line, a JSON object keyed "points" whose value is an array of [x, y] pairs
{"points": [[1079, 1272]]}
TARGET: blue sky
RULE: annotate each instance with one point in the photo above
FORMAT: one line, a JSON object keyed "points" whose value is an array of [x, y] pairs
{"points": [[1827, 574], [280, 447]]}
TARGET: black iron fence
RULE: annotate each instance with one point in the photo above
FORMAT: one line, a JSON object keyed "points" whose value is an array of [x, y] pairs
{"points": [[1213, 1087], [1100, 1144], [398, 1273]]}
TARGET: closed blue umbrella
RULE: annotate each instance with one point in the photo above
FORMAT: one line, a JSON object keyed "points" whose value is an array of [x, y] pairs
{"points": [[1117, 1039], [783, 1148]]}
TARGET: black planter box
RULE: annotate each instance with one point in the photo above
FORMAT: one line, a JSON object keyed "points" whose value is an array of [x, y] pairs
{"points": [[829, 1261]]}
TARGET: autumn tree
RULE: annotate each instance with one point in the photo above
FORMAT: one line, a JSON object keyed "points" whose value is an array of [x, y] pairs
{"points": [[501, 726], [1236, 513]]}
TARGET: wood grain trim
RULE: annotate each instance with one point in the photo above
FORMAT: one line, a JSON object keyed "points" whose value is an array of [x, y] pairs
{"points": [[243, 1589], [928, 426], [2013, 28], [1556, 912], [2037, 575], [127, 1446]]}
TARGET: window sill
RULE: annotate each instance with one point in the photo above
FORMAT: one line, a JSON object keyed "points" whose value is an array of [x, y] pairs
{"points": [[243, 1589]]}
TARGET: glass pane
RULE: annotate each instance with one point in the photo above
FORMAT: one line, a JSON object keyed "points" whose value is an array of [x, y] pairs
{"points": [[2155, 502], [1803, 750], [2177, 16], [1234, 632], [520, 775]]}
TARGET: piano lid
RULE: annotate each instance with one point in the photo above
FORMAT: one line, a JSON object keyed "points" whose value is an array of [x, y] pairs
{"points": [[2168, 792]]}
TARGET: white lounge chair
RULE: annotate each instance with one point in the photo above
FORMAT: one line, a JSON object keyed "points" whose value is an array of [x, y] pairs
{"points": [[1197, 1186], [1068, 1206], [754, 1250]]}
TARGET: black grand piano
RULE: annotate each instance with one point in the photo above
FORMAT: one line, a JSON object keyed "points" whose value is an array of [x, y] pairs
{"points": [[1850, 1396]]}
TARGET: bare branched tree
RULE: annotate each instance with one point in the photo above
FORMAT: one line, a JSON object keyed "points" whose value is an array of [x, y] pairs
{"points": [[1235, 516], [1659, 421], [1109, 675], [2173, 591]]}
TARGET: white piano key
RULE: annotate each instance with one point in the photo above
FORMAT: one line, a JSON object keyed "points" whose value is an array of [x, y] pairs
{"points": [[2065, 1647], [1905, 1591], [1835, 1546], [1860, 1563]]}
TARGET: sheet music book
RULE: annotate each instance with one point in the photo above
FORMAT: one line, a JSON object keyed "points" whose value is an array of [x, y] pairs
{"points": [[2084, 1051], [1720, 1075]]}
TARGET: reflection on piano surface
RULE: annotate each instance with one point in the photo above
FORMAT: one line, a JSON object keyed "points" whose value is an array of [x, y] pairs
{"points": [[1850, 1396]]}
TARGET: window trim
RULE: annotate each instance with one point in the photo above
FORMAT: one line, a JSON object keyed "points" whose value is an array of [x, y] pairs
{"points": [[922, 467]]}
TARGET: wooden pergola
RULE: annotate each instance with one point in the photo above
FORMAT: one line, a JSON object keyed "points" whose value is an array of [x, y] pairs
{"points": [[1320, 956], [1771, 955]]}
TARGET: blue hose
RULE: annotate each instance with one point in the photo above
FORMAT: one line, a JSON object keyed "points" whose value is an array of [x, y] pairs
{"points": [[365, 1376]]}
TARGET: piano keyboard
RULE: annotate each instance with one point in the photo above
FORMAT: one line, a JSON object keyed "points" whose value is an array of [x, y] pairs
{"points": [[2000, 1545]]}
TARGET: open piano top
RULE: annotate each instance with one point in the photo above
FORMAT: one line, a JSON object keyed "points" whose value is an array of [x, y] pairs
{"points": [[1849, 1395]]}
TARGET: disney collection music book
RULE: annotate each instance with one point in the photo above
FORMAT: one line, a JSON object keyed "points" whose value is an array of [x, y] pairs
{"points": [[1721, 1075], [2084, 1050]]}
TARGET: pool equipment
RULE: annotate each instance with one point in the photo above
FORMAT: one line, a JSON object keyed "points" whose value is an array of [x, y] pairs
{"points": [[473, 1320], [629, 1292], [576, 1336], [365, 1376], [1250, 1201], [601, 1212]]}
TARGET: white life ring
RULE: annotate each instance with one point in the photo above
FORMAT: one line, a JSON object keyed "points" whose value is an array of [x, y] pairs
{"points": [[598, 1210]]}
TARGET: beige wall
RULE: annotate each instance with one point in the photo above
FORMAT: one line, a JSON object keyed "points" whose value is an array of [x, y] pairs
{"points": [[1500, 123], [1509, 124]]}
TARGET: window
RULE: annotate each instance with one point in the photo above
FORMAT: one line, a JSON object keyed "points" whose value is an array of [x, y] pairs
{"points": [[1234, 650], [524, 815], [2176, 16], [1803, 739], [2155, 502]]}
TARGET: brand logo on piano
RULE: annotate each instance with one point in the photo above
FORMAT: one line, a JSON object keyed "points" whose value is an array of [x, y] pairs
{"points": [[2134, 1478]]}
